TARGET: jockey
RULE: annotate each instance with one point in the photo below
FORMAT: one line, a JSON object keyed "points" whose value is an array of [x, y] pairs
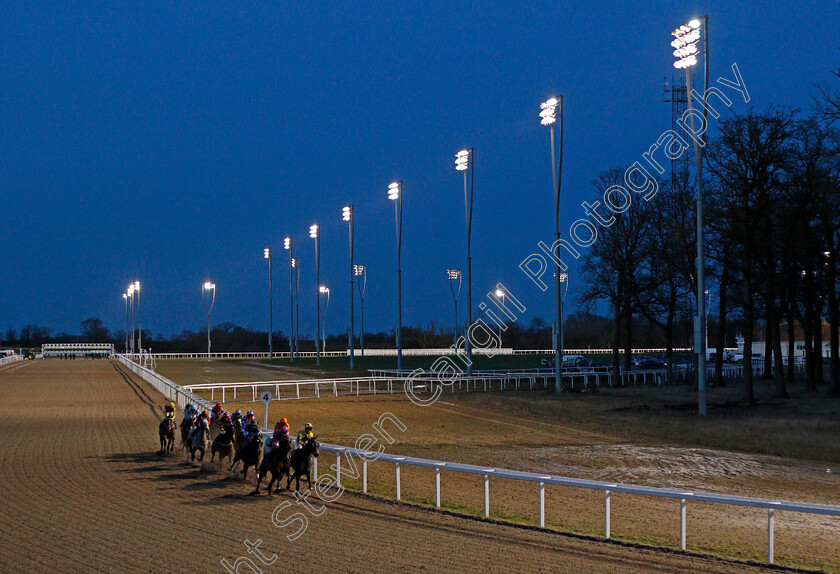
{"points": [[249, 416], [216, 412], [225, 421], [169, 411], [305, 435], [237, 418], [252, 431], [281, 432], [188, 410], [201, 421]]}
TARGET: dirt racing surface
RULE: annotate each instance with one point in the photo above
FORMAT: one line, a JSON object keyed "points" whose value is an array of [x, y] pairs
{"points": [[84, 490]]}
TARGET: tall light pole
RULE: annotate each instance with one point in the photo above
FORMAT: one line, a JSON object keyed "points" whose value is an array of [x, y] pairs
{"points": [[360, 271], [287, 245], [395, 193], [208, 290], [267, 255], [465, 161], [500, 295], [125, 298], [347, 215], [325, 291], [454, 274], [296, 269], [131, 312], [139, 316], [685, 42], [548, 117], [313, 233]]}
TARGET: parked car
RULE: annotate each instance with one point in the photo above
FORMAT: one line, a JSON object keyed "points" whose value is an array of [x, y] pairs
{"points": [[648, 363], [568, 361]]}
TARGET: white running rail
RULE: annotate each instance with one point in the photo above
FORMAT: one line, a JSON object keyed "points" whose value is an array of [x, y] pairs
{"points": [[10, 359]]}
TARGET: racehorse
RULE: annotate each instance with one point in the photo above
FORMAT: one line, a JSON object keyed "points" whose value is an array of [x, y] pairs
{"points": [[166, 430], [200, 436], [303, 459], [223, 444], [278, 464], [186, 426], [249, 455]]}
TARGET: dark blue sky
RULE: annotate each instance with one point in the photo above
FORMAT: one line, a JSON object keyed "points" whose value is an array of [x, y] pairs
{"points": [[171, 141]]}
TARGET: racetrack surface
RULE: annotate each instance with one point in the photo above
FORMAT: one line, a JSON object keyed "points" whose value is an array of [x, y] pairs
{"points": [[83, 490]]}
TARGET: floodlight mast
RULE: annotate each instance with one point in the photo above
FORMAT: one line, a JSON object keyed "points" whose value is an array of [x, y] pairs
{"points": [[454, 274], [465, 161], [139, 317], [287, 245], [685, 42], [125, 298], [395, 193], [296, 268], [208, 287], [131, 309], [501, 295], [347, 214], [548, 117], [361, 280], [267, 255], [325, 291], [313, 233]]}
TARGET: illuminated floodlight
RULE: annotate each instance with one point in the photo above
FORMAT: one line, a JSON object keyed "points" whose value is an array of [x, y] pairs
{"points": [[267, 252], [394, 190], [453, 273], [287, 243], [359, 269], [500, 293], [131, 290], [462, 160], [125, 296], [137, 286], [313, 231], [210, 286], [564, 277], [548, 113], [346, 213], [294, 261], [323, 289]]}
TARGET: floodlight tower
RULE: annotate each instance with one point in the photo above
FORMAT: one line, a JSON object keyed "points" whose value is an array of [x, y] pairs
{"points": [[139, 316], [296, 269], [125, 298], [313, 233], [131, 312], [360, 271], [208, 290], [465, 161], [686, 38], [395, 193], [326, 292], [455, 274], [287, 245], [548, 117], [267, 255], [347, 215], [500, 295]]}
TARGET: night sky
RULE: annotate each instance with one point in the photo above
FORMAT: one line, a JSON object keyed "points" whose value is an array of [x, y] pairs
{"points": [[170, 142]]}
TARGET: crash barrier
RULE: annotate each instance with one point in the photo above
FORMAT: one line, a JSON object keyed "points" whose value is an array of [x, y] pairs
{"points": [[684, 496], [7, 359], [171, 390], [385, 381]]}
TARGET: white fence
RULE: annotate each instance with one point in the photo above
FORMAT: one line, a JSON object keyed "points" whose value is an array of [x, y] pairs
{"points": [[171, 390], [182, 395], [383, 382], [607, 487], [5, 360]]}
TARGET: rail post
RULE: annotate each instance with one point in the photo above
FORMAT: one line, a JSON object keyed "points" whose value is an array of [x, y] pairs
{"points": [[398, 480], [607, 514], [338, 469], [486, 496], [682, 524], [542, 505], [437, 488], [364, 475], [315, 470], [770, 527]]}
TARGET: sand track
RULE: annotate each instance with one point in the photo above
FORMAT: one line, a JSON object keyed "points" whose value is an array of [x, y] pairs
{"points": [[83, 490]]}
